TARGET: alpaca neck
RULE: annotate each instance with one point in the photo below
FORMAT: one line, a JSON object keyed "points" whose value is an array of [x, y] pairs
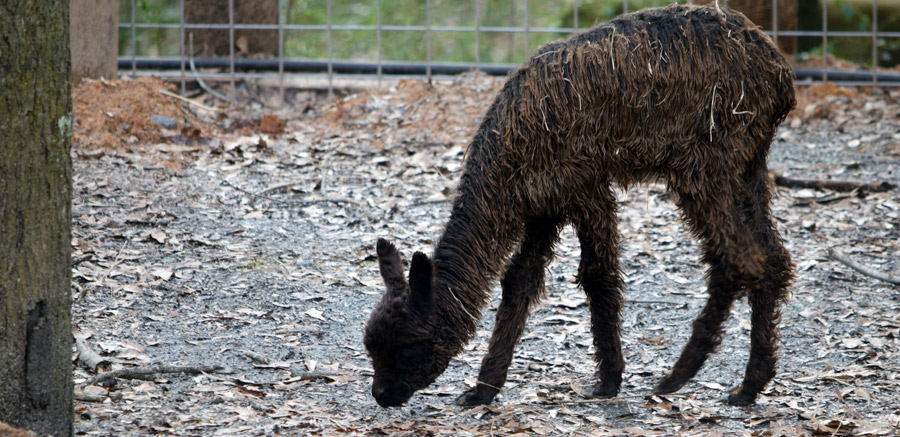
{"points": [[476, 243]]}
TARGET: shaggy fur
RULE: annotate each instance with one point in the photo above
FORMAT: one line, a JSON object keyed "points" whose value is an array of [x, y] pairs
{"points": [[690, 96]]}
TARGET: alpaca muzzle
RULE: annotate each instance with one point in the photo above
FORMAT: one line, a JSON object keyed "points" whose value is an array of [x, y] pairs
{"points": [[391, 394]]}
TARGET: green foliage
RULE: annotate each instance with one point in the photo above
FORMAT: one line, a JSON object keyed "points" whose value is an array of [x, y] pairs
{"points": [[854, 14], [150, 42]]}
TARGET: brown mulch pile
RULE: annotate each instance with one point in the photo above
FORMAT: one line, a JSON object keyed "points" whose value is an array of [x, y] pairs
{"points": [[124, 113]]}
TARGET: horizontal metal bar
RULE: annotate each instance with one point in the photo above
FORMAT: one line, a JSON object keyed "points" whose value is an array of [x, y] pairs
{"points": [[405, 68], [352, 27], [832, 33], [848, 83], [494, 29]]}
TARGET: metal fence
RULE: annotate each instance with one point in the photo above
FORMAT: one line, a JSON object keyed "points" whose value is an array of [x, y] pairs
{"points": [[233, 67]]}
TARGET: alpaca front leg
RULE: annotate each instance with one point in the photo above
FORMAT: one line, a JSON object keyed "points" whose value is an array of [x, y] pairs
{"points": [[495, 365], [522, 286], [603, 287], [510, 323]]}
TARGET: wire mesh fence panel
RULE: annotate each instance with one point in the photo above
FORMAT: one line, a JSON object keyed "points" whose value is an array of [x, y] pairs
{"points": [[855, 42]]}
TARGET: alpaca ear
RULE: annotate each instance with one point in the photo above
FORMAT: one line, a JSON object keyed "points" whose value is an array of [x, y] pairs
{"points": [[390, 265], [421, 276]]}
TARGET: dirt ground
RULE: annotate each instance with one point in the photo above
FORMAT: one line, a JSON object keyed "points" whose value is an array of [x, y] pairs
{"points": [[213, 243]]}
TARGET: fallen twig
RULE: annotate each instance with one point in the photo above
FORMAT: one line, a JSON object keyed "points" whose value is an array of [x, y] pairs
{"points": [[312, 376], [257, 358], [185, 99], [81, 259], [197, 77], [87, 356], [79, 396], [206, 87], [853, 413], [652, 302], [145, 371], [844, 259], [291, 202], [833, 185], [278, 187], [601, 400], [431, 202]]}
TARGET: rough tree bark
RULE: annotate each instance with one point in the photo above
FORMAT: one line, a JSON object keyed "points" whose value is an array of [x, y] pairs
{"points": [[214, 42], [94, 39], [35, 216]]}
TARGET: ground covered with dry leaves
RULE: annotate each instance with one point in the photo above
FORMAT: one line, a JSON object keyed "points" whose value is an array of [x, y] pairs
{"points": [[222, 240]]}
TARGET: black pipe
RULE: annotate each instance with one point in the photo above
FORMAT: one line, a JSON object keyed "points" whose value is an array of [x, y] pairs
{"points": [[836, 75], [400, 68], [296, 66]]}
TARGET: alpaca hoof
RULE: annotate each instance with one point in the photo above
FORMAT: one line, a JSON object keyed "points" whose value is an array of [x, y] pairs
{"points": [[601, 390], [739, 398], [667, 385], [473, 397]]}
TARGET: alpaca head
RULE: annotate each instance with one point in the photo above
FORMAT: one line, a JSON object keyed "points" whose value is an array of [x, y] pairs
{"points": [[403, 335]]}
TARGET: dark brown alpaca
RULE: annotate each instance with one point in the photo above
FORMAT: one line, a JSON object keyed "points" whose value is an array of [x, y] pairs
{"points": [[691, 96]]}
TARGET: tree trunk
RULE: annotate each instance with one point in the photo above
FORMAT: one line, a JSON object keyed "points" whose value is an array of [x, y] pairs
{"points": [[94, 39], [35, 216], [247, 43]]}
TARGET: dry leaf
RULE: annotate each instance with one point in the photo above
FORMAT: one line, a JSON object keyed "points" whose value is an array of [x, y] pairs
{"points": [[159, 236], [164, 274], [316, 314]]}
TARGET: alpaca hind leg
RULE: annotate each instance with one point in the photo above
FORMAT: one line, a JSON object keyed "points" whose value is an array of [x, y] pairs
{"points": [[706, 334], [600, 277], [734, 260], [523, 285], [769, 294]]}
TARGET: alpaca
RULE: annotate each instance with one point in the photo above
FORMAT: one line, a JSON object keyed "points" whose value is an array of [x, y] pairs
{"points": [[689, 96]]}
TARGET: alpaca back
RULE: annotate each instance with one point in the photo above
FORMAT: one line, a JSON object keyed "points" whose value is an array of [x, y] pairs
{"points": [[652, 95]]}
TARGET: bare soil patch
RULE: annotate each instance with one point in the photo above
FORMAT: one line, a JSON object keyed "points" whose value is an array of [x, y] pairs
{"points": [[256, 253]]}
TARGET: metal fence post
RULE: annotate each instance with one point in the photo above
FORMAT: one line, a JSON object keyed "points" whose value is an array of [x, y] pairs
{"points": [[428, 40], [233, 93], [824, 40], [574, 16], [330, 53], [874, 43], [133, 41], [527, 28], [477, 34], [181, 40], [281, 21], [775, 22], [378, 39]]}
